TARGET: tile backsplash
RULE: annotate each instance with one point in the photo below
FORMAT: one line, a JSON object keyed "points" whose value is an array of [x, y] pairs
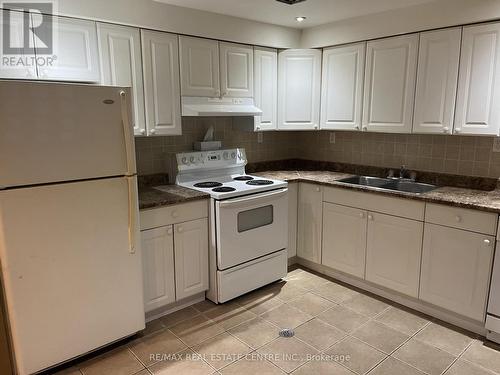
{"points": [[471, 156]]}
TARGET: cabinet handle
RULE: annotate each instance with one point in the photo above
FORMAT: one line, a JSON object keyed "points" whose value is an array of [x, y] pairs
{"points": [[370, 217], [365, 128], [170, 231], [180, 229], [258, 128], [143, 131], [318, 189], [315, 126], [487, 242], [356, 127], [446, 130], [175, 214], [152, 131], [224, 93], [458, 218], [361, 215], [458, 130], [217, 93]]}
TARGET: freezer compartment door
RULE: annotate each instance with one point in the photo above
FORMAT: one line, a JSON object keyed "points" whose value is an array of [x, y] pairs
{"points": [[72, 279], [54, 132]]}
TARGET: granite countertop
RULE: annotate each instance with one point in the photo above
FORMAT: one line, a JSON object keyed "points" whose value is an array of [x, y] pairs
{"points": [[453, 196], [149, 197]]}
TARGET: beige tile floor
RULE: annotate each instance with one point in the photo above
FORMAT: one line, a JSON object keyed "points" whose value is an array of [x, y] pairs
{"points": [[338, 330]]}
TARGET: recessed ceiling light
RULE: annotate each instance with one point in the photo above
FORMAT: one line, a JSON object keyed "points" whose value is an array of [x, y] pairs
{"points": [[300, 19]]}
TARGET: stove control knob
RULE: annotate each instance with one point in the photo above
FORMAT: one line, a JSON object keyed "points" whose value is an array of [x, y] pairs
{"points": [[225, 155], [184, 160], [192, 159], [233, 155]]}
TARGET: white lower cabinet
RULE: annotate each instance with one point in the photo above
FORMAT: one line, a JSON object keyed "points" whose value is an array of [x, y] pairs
{"points": [[344, 239], [456, 268], [158, 267], [191, 257], [309, 222], [393, 252], [293, 195]]}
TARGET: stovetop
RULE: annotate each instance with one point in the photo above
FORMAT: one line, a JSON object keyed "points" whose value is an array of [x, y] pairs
{"points": [[235, 185], [221, 174]]}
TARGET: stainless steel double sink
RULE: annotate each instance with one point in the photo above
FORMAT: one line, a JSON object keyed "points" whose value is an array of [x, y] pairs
{"points": [[395, 184]]}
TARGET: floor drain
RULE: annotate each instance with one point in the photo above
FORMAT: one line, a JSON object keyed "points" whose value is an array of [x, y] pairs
{"points": [[287, 332]]}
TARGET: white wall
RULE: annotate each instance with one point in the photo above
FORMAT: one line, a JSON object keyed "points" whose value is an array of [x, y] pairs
{"points": [[160, 16], [440, 13]]}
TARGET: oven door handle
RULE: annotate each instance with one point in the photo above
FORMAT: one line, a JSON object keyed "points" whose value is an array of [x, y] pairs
{"points": [[273, 194]]}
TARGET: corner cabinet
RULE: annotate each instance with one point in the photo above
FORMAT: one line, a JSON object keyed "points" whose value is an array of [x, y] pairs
{"points": [[121, 65], [477, 110], [266, 87], [342, 87], [437, 78], [299, 86], [160, 55], [309, 220], [389, 89]]}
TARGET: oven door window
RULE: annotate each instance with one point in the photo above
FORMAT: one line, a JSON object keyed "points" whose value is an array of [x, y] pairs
{"points": [[255, 218]]}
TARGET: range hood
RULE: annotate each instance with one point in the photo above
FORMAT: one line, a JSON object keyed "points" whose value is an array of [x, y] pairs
{"points": [[201, 106]]}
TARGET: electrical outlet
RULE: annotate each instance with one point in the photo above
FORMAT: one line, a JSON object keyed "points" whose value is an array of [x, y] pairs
{"points": [[260, 137], [332, 137], [496, 144]]}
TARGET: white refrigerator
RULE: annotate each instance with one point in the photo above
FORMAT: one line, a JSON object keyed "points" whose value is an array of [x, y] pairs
{"points": [[69, 248]]}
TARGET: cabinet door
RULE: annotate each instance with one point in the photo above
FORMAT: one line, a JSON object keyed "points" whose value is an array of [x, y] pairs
{"points": [[199, 67], [477, 110], [389, 91], [121, 65], [293, 196], [309, 222], [13, 20], [344, 239], [266, 87], [158, 267], [236, 70], [299, 85], [75, 46], [342, 87], [160, 53], [191, 258], [456, 270], [393, 252], [437, 78]]}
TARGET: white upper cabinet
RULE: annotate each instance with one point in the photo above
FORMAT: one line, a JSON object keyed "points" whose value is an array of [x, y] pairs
{"points": [[477, 110], [199, 67], [266, 88], [342, 87], [160, 54], [121, 65], [236, 70], [437, 77], [75, 48], [299, 89], [14, 22], [389, 91]]}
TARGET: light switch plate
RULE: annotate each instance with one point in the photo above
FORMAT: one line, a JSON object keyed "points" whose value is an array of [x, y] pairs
{"points": [[332, 137], [496, 144], [260, 137]]}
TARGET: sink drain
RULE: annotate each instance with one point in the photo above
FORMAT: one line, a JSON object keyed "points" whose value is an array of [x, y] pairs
{"points": [[287, 332]]}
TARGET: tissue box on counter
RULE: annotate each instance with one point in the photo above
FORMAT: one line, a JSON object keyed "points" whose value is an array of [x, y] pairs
{"points": [[207, 145]]}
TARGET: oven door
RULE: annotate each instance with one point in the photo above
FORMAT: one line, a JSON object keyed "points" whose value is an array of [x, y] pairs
{"points": [[250, 227]]}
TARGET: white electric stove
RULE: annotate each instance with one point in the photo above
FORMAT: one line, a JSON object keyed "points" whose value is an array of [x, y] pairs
{"points": [[248, 221]]}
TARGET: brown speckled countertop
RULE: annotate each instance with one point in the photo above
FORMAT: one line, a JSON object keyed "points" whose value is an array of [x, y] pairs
{"points": [[149, 197], [453, 196]]}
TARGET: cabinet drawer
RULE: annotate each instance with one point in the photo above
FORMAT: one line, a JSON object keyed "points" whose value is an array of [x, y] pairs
{"points": [[462, 218], [408, 208], [178, 213]]}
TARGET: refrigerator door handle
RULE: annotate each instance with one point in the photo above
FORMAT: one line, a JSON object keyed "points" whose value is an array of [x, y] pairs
{"points": [[132, 214], [127, 131]]}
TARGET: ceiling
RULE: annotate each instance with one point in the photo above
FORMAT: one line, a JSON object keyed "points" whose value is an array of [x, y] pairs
{"points": [[317, 11]]}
